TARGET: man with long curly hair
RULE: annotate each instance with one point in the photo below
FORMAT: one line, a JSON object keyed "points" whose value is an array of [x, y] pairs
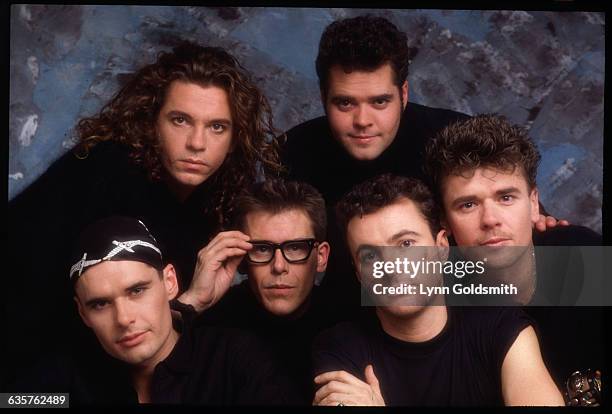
{"points": [[172, 147]]}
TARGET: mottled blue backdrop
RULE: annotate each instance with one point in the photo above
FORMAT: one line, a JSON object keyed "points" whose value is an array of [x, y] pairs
{"points": [[541, 69]]}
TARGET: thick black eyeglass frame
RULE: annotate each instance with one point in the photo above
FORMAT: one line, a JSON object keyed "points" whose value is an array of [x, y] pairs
{"points": [[275, 246]]}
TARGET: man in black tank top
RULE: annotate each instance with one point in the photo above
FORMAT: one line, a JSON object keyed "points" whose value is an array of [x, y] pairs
{"points": [[484, 173], [424, 353]]}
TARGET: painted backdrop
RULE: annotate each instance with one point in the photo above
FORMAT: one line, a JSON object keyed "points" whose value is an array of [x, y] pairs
{"points": [[544, 70]]}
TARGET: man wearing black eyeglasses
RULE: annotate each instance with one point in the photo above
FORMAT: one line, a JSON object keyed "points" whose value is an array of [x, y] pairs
{"points": [[279, 242]]}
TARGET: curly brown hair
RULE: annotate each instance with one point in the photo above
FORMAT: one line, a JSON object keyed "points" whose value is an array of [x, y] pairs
{"points": [[130, 118], [486, 140], [362, 43]]}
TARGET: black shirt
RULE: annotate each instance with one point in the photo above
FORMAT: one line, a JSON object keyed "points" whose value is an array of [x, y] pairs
{"points": [[288, 338], [559, 266], [461, 366], [208, 365], [313, 155], [571, 337], [47, 216]]}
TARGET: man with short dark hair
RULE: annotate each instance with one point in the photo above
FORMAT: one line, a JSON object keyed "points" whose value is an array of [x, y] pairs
{"points": [[124, 291], [484, 173], [284, 224], [370, 126], [422, 353]]}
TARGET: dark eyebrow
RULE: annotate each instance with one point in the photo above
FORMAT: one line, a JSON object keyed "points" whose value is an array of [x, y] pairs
{"points": [[285, 241], [91, 302], [470, 197], [178, 113], [385, 97], [403, 233], [140, 284], [507, 190], [221, 121], [463, 199], [338, 98], [188, 117]]}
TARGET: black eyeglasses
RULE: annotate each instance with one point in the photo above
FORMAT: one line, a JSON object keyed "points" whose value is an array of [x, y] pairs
{"points": [[293, 250]]}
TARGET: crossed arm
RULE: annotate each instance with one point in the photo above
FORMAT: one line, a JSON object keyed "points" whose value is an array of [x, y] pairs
{"points": [[525, 381], [342, 388]]}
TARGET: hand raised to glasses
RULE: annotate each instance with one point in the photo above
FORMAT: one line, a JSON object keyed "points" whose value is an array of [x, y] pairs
{"points": [[215, 269], [342, 388]]}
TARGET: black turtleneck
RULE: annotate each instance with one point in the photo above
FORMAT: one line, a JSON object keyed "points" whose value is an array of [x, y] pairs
{"points": [[289, 338]]}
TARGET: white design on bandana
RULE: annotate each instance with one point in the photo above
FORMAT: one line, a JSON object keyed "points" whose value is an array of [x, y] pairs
{"points": [[143, 225], [81, 264], [121, 246], [127, 245]]}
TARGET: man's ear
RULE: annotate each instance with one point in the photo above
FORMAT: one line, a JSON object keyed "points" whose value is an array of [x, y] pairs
{"points": [[442, 238], [81, 311], [404, 92], [445, 226], [170, 281], [442, 244], [534, 200], [322, 255]]}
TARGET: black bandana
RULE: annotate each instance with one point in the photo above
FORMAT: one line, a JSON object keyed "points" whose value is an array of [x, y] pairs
{"points": [[114, 238]]}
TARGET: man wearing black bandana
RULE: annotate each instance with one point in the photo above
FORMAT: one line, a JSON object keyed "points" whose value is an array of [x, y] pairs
{"points": [[124, 292]]}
